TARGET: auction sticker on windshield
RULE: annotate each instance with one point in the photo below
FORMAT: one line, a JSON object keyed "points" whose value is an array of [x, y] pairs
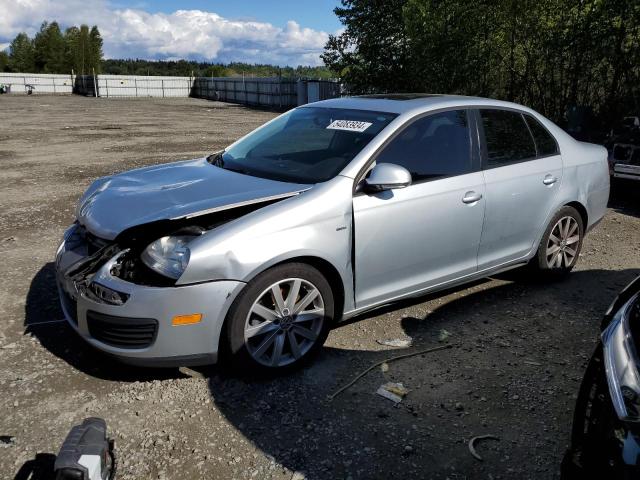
{"points": [[350, 125]]}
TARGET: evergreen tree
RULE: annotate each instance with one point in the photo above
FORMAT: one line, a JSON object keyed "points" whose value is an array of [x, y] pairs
{"points": [[21, 58], [79, 50], [49, 49], [4, 61], [372, 52]]}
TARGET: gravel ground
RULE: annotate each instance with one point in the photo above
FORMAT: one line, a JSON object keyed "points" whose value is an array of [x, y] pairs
{"points": [[518, 347]]}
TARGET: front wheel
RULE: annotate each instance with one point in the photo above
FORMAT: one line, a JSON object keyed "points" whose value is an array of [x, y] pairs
{"points": [[561, 243], [280, 319]]}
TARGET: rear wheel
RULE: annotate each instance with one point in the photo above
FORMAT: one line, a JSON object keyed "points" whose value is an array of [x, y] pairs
{"points": [[280, 319], [561, 243]]}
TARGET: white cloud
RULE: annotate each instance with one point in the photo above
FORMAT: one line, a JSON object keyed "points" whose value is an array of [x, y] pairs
{"points": [[192, 34]]}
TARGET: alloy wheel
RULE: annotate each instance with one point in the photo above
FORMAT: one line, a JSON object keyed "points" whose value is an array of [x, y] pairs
{"points": [[562, 245], [284, 322]]}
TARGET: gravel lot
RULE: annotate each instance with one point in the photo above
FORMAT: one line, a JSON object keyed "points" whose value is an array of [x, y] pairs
{"points": [[518, 352]]}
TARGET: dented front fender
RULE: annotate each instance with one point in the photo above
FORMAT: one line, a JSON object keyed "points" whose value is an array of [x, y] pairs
{"points": [[316, 223]]}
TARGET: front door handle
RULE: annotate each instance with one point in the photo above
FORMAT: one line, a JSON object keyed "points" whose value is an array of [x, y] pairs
{"points": [[549, 180], [471, 197]]}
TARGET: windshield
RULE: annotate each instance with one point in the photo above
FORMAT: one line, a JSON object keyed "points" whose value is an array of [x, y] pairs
{"points": [[305, 145]]}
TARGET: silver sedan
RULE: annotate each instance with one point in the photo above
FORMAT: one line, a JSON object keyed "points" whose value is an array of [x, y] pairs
{"points": [[325, 212]]}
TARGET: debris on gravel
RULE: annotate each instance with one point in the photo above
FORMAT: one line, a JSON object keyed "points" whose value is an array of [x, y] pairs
{"points": [[392, 391], [396, 342]]}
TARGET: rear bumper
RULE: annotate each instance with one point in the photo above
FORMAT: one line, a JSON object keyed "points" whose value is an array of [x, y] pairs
{"points": [[126, 331]]}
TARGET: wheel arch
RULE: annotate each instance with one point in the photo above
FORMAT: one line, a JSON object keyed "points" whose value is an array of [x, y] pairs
{"points": [[324, 266], [331, 274], [582, 210]]}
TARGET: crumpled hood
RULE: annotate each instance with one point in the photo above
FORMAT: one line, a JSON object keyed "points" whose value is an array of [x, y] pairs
{"points": [[175, 190]]}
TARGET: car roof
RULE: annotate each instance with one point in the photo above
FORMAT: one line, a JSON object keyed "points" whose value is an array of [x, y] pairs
{"points": [[411, 102]]}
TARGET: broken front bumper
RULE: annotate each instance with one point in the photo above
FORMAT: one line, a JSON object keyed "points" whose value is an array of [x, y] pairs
{"points": [[140, 331]]}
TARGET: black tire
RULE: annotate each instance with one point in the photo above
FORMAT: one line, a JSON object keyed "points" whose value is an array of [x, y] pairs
{"points": [[237, 351], [541, 263], [596, 451]]}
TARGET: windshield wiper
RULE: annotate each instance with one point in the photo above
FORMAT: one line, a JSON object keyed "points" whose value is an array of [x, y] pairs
{"points": [[237, 170], [217, 161]]}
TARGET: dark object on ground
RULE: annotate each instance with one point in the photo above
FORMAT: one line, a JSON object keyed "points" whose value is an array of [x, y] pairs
{"points": [[87, 453], [605, 438], [38, 468], [473, 441]]}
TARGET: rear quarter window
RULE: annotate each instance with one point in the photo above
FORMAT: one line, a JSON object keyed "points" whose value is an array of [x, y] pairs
{"points": [[545, 143]]}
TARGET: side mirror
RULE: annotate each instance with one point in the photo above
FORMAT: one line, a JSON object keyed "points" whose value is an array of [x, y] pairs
{"points": [[387, 176]]}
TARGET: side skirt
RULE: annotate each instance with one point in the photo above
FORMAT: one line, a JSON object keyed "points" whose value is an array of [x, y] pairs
{"points": [[438, 287]]}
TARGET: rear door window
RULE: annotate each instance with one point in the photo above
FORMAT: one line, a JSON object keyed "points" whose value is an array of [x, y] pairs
{"points": [[545, 143], [434, 146], [507, 137]]}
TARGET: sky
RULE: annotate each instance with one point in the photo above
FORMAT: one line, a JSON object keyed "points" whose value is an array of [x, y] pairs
{"points": [[281, 32]]}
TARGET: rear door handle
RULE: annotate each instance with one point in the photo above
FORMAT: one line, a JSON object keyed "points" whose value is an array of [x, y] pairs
{"points": [[549, 180], [471, 197]]}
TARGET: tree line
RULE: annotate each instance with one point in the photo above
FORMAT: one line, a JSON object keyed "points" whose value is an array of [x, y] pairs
{"points": [[52, 51], [548, 54], [80, 49], [185, 68]]}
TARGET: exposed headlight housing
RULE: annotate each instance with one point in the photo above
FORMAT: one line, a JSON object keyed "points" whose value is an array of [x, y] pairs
{"points": [[169, 256], [621, 360], [102, 294]]}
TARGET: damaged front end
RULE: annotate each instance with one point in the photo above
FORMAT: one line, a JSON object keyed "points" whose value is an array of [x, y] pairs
{"points": [[79, 275], [119, 296], [129, 251]]}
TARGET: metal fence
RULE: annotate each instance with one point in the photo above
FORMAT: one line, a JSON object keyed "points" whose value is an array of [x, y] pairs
{"points": [[316, 90], [270, 92], [38, 83], [143, 86], [121, 86], [273, 92]]}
